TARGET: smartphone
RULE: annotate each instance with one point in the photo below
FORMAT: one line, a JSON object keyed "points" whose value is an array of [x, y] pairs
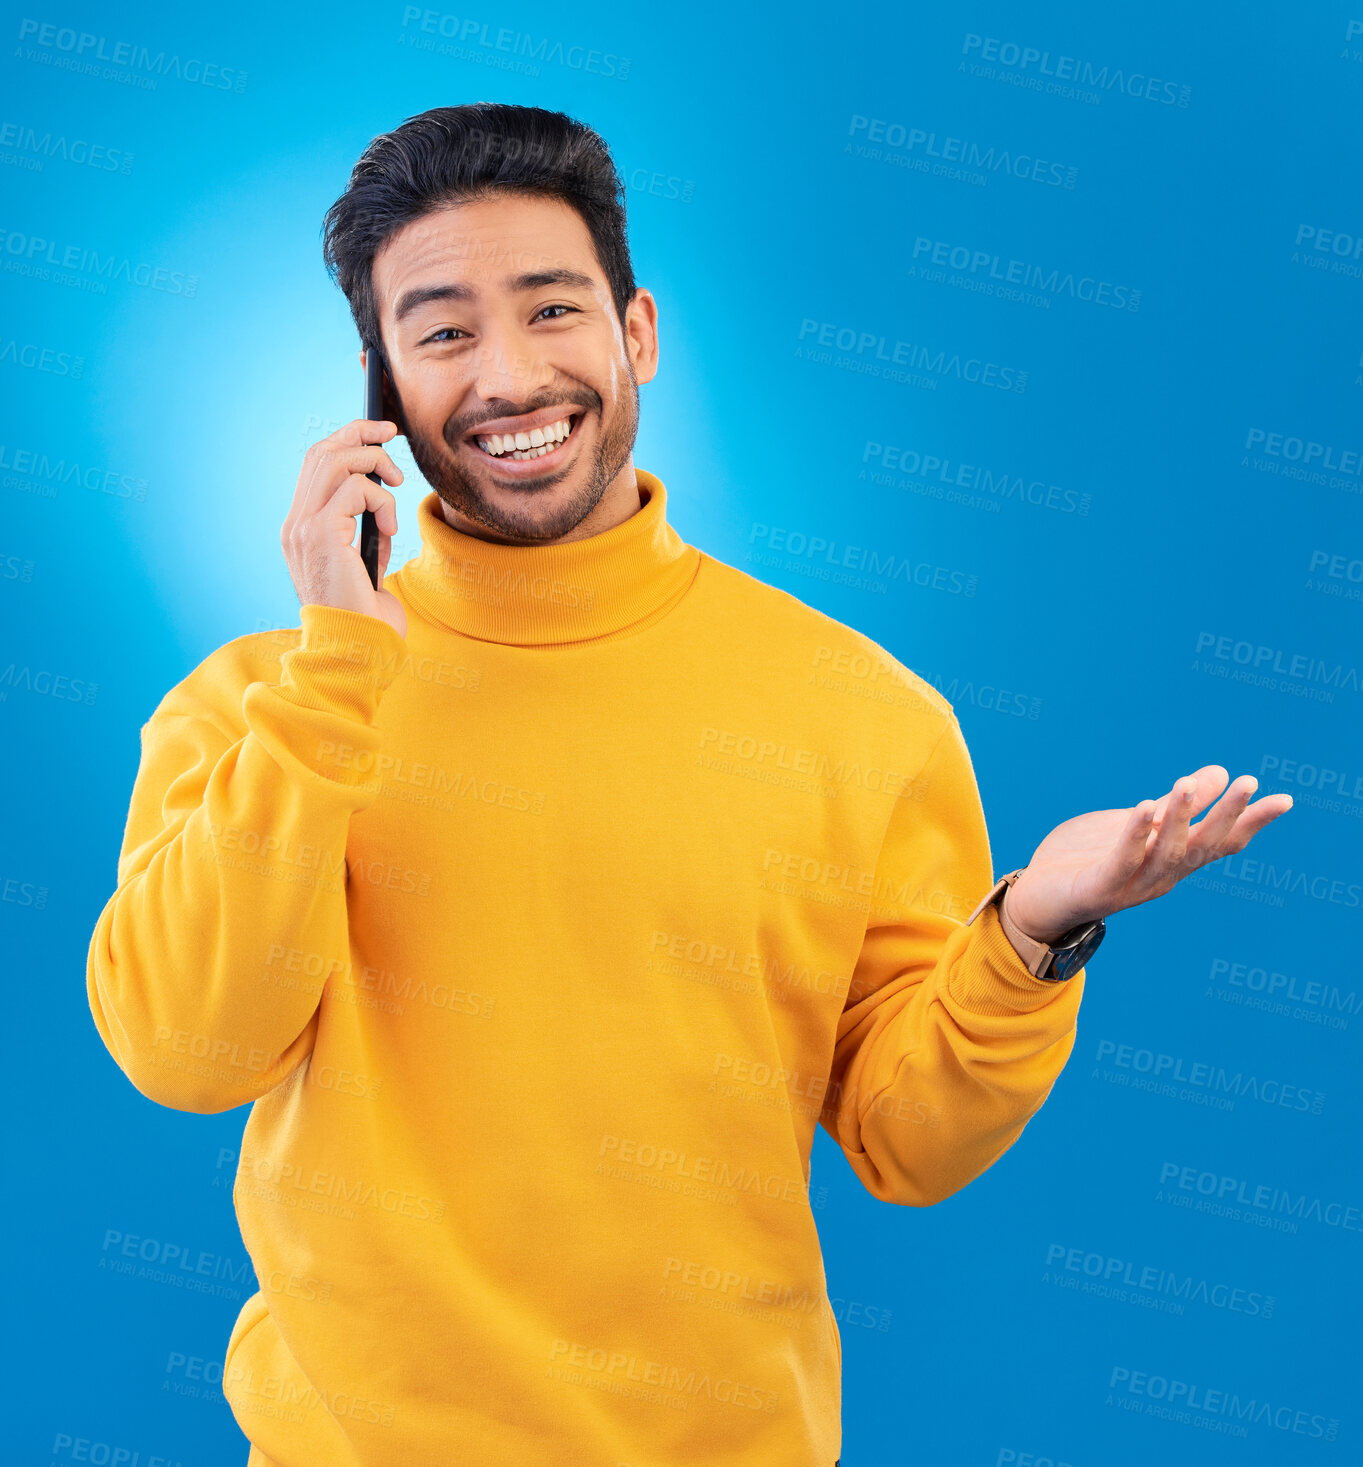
{"points": [[373, 409]]}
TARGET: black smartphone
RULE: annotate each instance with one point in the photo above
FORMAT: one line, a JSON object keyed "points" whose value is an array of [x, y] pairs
{"points": [[373, 409]]}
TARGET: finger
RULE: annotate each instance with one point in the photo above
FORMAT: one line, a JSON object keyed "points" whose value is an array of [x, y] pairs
{"points": [[355, 434], [1211, 780], [333, 528], [365, 459], [323, 475], [360, 430], [1253, 820], [353, 496], [331, 467], [1162, 803], [1126, 857], [1171, 838], [1206, 840]]}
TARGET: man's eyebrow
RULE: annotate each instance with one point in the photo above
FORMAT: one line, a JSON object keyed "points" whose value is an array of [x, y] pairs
{"points": [[413, 300]]}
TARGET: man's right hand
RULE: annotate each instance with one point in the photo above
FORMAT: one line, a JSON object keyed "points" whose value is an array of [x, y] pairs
{"points": [[318, 534]]}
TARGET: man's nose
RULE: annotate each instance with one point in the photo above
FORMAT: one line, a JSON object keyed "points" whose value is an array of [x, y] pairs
{"points": [[509, 367]]}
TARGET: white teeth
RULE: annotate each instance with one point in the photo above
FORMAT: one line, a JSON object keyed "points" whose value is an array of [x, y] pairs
{"points": [[534, 444]]}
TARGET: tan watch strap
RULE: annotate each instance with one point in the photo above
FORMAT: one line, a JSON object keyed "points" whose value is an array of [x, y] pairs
{"points": [[1037, 956]]}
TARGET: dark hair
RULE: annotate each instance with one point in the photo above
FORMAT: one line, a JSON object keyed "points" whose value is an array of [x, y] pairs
{"points": [[453, 155]]}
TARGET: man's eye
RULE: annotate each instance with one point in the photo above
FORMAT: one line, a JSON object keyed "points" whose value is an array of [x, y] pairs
{"points": [[444, 332], [555, 308]]}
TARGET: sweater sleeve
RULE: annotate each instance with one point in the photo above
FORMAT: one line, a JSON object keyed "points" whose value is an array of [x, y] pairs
{"points": [[947, 1045], [233, 855]]}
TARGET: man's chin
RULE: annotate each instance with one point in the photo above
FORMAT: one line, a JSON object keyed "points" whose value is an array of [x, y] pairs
{"points": [[490, 482], [545, 507]]}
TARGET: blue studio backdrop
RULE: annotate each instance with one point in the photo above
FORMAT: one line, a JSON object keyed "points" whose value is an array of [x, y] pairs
{"points": [[1028, 342]]}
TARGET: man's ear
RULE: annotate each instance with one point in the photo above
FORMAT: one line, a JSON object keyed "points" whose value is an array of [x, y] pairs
{"points": [[641, 334]]}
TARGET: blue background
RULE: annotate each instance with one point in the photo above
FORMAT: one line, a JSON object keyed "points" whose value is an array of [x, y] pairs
{"points": [[1083, 651]]}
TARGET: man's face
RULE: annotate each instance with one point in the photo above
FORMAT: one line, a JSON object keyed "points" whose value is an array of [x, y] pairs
{"points": [[497, 319]]}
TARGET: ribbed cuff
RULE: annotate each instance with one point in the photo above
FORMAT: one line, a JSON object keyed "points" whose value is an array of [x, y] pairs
{"points": [[343, 663], [990, 978]]}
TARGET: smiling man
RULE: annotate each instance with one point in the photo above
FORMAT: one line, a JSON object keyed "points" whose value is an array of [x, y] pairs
{"points": [[554, 465], [546, 899]]}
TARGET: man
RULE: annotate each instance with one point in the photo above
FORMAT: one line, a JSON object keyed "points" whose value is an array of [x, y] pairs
{"points": [[546, 898]]}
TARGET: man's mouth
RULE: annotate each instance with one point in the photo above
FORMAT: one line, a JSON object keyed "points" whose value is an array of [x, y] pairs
{"points": [[543, 440]]}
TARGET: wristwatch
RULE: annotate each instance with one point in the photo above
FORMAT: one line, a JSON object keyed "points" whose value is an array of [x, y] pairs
{"points": [[1053, 962]]}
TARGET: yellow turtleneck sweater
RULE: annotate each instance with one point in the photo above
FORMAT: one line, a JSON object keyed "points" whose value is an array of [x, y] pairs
{"points": [[542, 939]]}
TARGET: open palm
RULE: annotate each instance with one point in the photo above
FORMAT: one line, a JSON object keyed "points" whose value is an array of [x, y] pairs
{"points": [[1108, 860]]}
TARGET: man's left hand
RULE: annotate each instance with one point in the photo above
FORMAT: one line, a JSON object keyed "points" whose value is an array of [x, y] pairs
{"points": [[1106, 861]]}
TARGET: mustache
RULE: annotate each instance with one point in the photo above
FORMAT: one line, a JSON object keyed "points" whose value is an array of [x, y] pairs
{"points": [[456, 428]]}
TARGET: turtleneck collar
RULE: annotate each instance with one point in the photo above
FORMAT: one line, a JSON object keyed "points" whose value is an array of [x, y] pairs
{"points": [[544, 595]]}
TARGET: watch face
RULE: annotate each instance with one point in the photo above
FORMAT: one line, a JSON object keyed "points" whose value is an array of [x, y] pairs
{"points": [[1071, 959]]}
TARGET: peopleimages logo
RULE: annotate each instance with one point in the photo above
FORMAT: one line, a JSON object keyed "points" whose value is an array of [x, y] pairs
{"points": [[1050, 281], [1306, 452], [987, 696], [1255, 659], [1214, 1081], [1343, 783], [873, 562], [1329, 249], [1189, 1396], [1035, 64], [471, 39], [870, 352], [1261, 1197], [1117, 1277], [1318, 886], [80, 51], [34, 149], [1279, 989], [38, 358], [994, 484], [953, 154], [31, 254]]}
